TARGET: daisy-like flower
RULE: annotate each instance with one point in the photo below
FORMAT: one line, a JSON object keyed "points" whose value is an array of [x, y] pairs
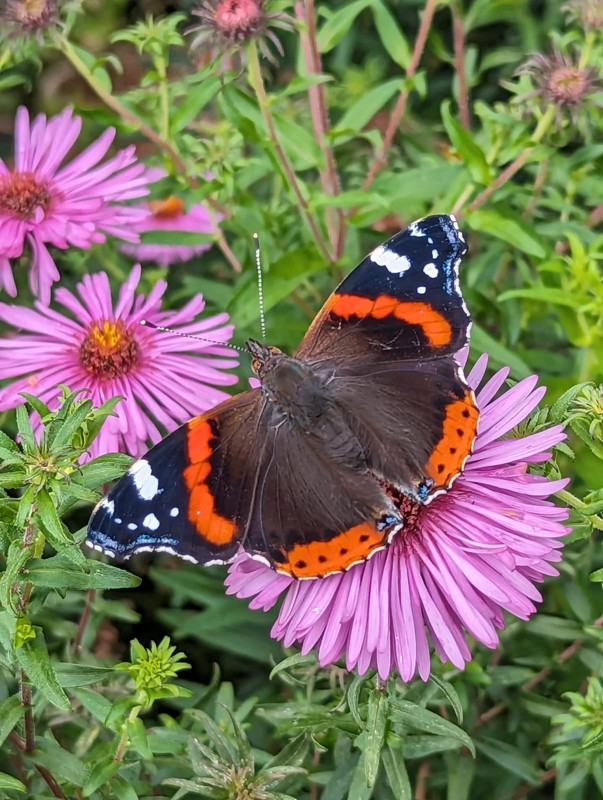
{"points": [[42, 202], [460, 562], [588, 12], [102, 347], [28, 16], [170, 215], [232, 22]]}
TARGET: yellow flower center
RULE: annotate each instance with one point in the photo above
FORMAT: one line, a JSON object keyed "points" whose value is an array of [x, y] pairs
{"points": [[109, 350]]}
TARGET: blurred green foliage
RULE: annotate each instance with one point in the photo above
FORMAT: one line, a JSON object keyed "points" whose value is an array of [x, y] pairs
{"points": [[378, 113]]}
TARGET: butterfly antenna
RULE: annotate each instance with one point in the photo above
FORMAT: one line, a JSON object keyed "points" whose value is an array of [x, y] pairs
{"points": [[258, 267], [152, 325]]}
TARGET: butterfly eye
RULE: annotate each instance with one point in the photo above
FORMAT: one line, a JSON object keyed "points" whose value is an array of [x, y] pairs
{"points": [[255, 365]]}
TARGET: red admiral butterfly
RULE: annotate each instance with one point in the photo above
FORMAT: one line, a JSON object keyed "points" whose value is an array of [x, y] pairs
{"points": [[304, 472]]}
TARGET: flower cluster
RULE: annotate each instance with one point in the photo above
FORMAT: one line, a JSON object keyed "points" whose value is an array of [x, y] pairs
{"points": [[98, 346]]}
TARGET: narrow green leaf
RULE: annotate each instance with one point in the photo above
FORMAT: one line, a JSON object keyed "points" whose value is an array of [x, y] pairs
{"points": [[338, 24], [359, 790], [390, 34], [8, 443], [138, 738], [544, 294], [596, 576], [509, 227], [353, 696], [451, 694], [57, 572], [63, 434], [63, 764], [499, 354], [397, 776], [460, 778], [48, 516], [25, 430], [122, 789], [8, 782], [510, 758], [11, 712], [376, 722], [37, 405], [196, 98], [421, 719], [70, 675], [102, 470], [561, 405], [34, 660], [293, 661], [101, 774], [364, 109], [464, 144], [95, 703]]}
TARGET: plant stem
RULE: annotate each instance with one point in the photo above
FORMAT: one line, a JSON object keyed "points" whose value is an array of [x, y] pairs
{"points": [[161, 67], [517, 163], [329, 179], [85, 616], [123, 741], [129, 117], [400, 107], [51, 782], [459, 63], [28, 720], [257, 84]]}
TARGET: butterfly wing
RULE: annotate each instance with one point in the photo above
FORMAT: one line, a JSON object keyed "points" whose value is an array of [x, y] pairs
{"points": [[389, 333], [183, 496], [243, 474]]}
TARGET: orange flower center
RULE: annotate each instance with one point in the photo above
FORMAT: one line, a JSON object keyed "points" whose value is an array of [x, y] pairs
{"points": [[109, 350], [21, 193], [171, 206]]}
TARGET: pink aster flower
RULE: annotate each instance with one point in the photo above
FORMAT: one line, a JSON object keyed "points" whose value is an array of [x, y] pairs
{"points": [[462, 560], [42, 202], [164, 379], [170, 215]]}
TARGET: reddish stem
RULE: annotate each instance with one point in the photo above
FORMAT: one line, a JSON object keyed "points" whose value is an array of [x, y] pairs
{"points": [[329, 179], [400, 107], [459, 63]]}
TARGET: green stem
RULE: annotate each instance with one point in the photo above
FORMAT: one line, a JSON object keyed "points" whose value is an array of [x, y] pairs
{"points": [[257, 84], [580, 507], [164, 102], [113, 103], [123, 741]]}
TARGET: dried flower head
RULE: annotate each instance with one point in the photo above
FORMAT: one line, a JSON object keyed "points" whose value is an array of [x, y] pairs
{"points": [[30, 16], [560, 80], [589, 13], [233, 22]]}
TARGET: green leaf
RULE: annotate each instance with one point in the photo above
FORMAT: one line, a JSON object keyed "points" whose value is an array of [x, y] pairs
{"points": [[11, 712], [376, 723], [122, 789], [464, 144], [500, 355], [138, 738], [338, 24], [451, 694], [70, 675], [101, 774], [7, 443], [550, 627], [397, 776], [196, 98], [102, 470], [63, 434], [364, 109], [511, 228], [421, 719], [37, 405], [596, 576], [95, 703], [58, 573], [510, 758], [460, 778], [359, 790], [562, 404], [33, 658], [8, 782], [389, 32], [353, 696], [60, 762], [25, 430], [544, 294], [293, 661], [48, 516]]}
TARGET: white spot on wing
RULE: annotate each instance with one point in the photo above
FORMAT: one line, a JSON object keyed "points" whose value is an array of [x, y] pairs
{"points": [[144, 480], [108, 505], [430, 270], [434, 254], [421, 289], [174, 511], [151, 522], [132, 526], [389, 259], [414, 231]]}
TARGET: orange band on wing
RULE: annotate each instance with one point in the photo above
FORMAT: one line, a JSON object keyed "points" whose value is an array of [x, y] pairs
{"points": [[458, 434], [315, 559], [435, 327], [213, 527]]}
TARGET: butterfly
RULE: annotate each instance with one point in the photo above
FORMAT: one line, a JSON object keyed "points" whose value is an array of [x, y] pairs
{"points": [[311, 471]]}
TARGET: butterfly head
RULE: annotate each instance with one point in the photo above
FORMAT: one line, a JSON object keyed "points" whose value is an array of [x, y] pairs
{"points": [[263, 356]]}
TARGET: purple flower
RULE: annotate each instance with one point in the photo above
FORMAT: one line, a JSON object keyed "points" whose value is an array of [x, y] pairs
{"points": [[462, 560], [75, 205], [170, 215], [164, 379]]}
